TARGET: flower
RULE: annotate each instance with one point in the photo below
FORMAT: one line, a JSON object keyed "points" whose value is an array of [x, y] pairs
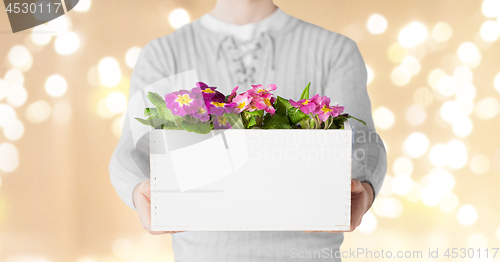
{"points": [[209, 93], [307, 105], [324, 110], [264, 102], [233, 95], [242, 102], [180, 101], [258, 89], [219, 108]]}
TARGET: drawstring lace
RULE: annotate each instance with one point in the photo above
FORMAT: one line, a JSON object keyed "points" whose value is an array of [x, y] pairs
{"points": [[236, 55]]}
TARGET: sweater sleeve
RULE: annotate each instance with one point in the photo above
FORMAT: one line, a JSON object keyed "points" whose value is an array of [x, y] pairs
{"points": [[129, 163], [346, 85]]}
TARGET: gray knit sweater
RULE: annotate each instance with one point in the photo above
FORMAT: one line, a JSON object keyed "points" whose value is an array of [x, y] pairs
{"points": [[290, 58]]}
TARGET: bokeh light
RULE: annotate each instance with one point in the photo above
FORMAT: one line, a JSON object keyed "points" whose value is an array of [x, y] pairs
{"points": [[467, 215], [14, 130], [451, 111], [109, 72], [412, 64], [178, 18], [20, 57], [368, 224], [38, 112], [490, 31], [463, 127], [478, 240], [463, 74], [416, 115], [442, 32], [40, 35], [466, 92], [132, 56], [402, 166], [397, 53], [402, 184], [56, 86], [116, 102], [400, 76], [491, 8], [468, 53], [479, 164], [496, 82], [9, 158], [370, 75], [67, 43], [416, 145], [434, 77], [388, 207], [17, 96], [413, 34], [447, 85], [457, 154], [383, 118], [14, 77], [438, 155], [59, 25], [487, 108], [7, 114], [377, 24], [449, 202]]}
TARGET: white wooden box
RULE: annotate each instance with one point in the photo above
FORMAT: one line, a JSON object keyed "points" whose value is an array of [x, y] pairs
{"points": [[248, 179]]}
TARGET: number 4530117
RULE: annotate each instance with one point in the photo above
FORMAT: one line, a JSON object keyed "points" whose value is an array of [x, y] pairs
{"points": [[25, 8]]}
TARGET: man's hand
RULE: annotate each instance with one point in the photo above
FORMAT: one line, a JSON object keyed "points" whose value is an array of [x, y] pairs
{"points": [[361, 200], [142, 203]]}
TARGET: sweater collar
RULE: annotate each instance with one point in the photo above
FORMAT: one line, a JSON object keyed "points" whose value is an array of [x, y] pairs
{"points": [[246, 32]]}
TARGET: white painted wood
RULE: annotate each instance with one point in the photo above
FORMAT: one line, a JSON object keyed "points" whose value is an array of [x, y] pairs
{"points": [[251, 180]]}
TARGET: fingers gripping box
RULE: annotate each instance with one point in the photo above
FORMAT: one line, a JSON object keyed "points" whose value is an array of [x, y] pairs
{"points": [[251, 179]]}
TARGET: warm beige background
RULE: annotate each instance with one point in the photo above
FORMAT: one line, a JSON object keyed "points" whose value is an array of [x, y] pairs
{"points": [[58, 205]]}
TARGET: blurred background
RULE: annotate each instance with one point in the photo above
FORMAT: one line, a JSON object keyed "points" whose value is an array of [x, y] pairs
{"points": [[434, 83]]}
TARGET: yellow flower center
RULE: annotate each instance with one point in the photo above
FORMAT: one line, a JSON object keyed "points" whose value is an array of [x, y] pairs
{"points": [[241, 105], [267, 102], [217, 104], [201, 110], [208, 90], [261, 90], [325, 109], [306, 102], [183, 100]]}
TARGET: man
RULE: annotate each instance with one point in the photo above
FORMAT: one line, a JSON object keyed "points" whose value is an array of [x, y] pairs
{"points": [[243, 42]]}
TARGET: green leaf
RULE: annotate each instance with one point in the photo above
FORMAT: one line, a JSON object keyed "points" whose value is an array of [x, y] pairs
{"points": [[277, 126], [305, 93], [150, 112], [200, 128], [364, 123], [276, 122], [168, 115], [156, 122], [251, 122], [281, 105], [234, 120], [338, 122], [295, 115], [156, 99], [256, 113]]}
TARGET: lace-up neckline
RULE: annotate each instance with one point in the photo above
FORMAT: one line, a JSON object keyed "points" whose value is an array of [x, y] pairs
{"points": [[245, 52]]}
